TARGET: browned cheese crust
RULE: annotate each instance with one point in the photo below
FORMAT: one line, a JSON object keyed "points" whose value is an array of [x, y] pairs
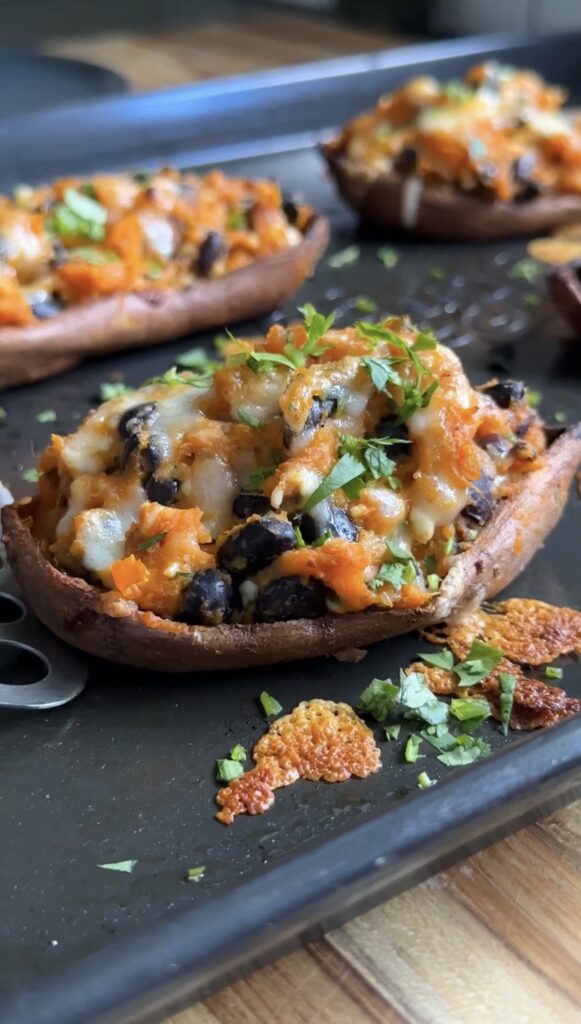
{"points": [[443, 211], [146, 318], [73, 609], [564, 287]]}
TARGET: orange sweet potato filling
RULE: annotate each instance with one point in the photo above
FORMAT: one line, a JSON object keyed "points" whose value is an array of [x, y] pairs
{"points": [[318, 740]]}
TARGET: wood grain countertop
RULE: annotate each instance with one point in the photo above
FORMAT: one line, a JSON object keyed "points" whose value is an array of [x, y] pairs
{"points": [[497, 937]]}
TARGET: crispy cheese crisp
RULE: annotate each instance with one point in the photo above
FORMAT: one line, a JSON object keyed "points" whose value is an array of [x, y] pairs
{"points": [[319, 739]]}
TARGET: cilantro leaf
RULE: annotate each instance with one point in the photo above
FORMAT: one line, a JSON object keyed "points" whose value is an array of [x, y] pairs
{"points": [[344, 258], [481, 660], [150, 541], [126, 866], [389, 257], [228, 769], [379, 699], [471, 711], [196, 874], [527, 269], [465, 753], [442, 659], [392, 732], [381, 371], [112, 389], [347, 468]]}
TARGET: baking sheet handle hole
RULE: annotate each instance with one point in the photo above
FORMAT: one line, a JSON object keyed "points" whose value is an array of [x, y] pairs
{"points": [[21, 665], [11, 609]]}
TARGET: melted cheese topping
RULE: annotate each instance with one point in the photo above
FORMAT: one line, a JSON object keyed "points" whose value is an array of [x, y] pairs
{"points": [[152, 484]]}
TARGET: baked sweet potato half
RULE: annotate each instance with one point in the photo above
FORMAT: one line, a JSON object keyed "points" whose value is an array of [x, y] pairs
{"points": [[489, 157], [93, 266], [318, 489]]}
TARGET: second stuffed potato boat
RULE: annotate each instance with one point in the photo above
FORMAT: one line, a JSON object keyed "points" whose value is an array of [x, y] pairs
{"points": [[317, 489]]}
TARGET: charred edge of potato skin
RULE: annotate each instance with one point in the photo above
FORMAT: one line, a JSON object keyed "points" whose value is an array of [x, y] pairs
{"points": [[72, 608], [137, 319], [443, 211], [564, 288]]}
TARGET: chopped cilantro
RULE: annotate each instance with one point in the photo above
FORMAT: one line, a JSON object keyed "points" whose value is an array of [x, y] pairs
{"points": [[392, 732], [325, 536], [527, 269], [530, 299], [507, 684], [197, 359], [227, 769], [344, 258], [236, 221], [534, 398], [112, 389], [300, 539], [258, 476], [270, 705], [437, 274], [379, 699], [448, 546], [78, 215], [47, 416], [347, 468], [381, 371], [433, 581], [466, 750], [31, 476], [125, 866], [441, 659], [265, 362], [389, 257], [3, 414], [560, 417], [172, 377], [456, 90], [196, 874], [553, 673], [151, 541], [411, 749], [439, 737], [389, 572], [480, 662], [364, 304], [424, 781], [472, 712]]}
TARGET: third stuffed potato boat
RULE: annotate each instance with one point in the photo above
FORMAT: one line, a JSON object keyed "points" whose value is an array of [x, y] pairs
{"points": [[316, 489], [491, 156]]}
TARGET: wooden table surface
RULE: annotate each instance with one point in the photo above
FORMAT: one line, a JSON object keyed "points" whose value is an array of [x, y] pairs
{"points": [[496, 938]]}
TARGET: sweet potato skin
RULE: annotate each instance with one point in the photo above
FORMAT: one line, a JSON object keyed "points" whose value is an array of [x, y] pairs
{"points": [[120, 321], [564, 288], [444, 212], [73, 609]]}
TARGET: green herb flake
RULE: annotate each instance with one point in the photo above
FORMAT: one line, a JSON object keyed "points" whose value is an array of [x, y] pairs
{"points": [[433, 581], [236, 221], [389, 257], [47, 416], [151, 541], [344, 258], [437, 274], [465, 752], [126, 866], [392, 732], [227, 769], [441, 659], [507, 684], [347, 468], [196, 874], [456, 91], [381, 371], [526, 269], [439, 737], [3, 414], [270, 705], [534, 399], [364, 304], [448, 546], [378, 699], [530, 299], [258, 476], [560, 417], [198, 360], [112, 389], [411, 749], [299, 537], [31, 476], [78, 215], [95, 257], [266, 362], [325, 536], [553, 673], [250, 421], [238, 753], [481, 660], [424, 781]]}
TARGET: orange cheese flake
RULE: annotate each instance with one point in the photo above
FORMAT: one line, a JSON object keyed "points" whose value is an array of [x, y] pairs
{"points": [[319, 739]]}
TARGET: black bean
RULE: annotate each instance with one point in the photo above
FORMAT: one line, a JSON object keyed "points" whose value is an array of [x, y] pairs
{"points": [[207, 599], [389, 427], [505, 392], [497, 447], [481, 505], [46, 308], [162, 489], [245, 505], [321, 409], [59, 255], [290, 597], [290, 210], [210, 250], [136, 418], [256, 544], [326, 518], [151, 456], [406, 161], [522, 169]]}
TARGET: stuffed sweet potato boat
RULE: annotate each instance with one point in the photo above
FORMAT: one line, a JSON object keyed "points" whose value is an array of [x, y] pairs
{"points": [[91, 266], [317, 489], [487, 157]]}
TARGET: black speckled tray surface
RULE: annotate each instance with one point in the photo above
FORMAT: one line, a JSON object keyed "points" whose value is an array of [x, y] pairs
{"points": [[126, 771]]}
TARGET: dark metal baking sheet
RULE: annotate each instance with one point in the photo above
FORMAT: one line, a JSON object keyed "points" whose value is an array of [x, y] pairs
{"points": [[127, 770]]}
